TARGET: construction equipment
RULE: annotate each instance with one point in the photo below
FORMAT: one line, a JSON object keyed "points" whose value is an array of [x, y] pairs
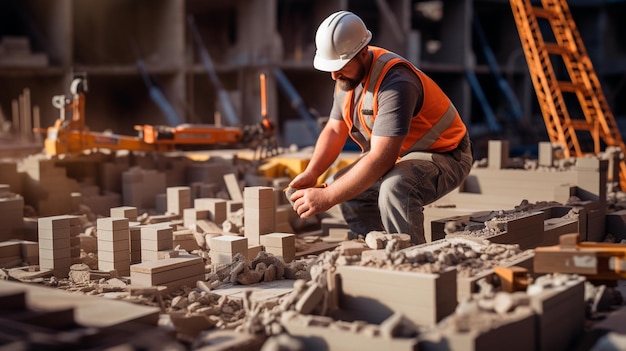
{"points": [[583, 82], [70, 135], [596, 261]]}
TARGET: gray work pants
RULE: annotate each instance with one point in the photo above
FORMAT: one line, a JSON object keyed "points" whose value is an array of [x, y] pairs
{"points": [[395, 204]]}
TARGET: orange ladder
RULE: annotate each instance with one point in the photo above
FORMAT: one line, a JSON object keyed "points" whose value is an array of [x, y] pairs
{"points": [[583, 81]]}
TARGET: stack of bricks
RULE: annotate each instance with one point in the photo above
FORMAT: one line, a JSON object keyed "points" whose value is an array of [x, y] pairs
{"points": [[113, 245], [135, 243], [172, 273], [54, 245], [156, 241], [75, 230], [178, 199], [259, 213], [11, 214], [130, 212], [225, 247], [280, 244]]}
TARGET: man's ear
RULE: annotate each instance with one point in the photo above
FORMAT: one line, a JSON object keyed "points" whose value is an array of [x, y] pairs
{"points": [[364, 52]]}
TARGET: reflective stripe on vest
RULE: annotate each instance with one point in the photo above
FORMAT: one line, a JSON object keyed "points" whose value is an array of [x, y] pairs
{"points": [[368, 95], [433, 134]]}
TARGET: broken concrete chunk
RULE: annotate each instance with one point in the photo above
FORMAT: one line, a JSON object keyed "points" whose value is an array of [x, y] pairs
{"points": [[310, 299]]}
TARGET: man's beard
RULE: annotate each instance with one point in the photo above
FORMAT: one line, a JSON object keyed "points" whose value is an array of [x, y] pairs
{"points": [[347, 84]]}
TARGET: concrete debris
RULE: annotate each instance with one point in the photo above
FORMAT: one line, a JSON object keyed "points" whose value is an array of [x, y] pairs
{"points": [[469, 258]]}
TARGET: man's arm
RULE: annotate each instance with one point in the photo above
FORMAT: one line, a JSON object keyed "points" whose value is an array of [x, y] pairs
{"points": [[327, 148], [372, 166]]}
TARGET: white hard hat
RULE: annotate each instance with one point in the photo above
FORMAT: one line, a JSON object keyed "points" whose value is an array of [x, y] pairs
{"points": [[338, 39]]}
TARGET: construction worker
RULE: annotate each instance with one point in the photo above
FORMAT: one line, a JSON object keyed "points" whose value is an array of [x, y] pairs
{"points": [[415, 146]]}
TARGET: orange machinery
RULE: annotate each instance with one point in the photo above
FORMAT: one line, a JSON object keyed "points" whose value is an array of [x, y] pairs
{"points": [[71, 135]]}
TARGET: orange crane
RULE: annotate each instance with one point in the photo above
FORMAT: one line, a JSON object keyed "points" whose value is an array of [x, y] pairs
{"points": [[70, 135], [583, 82]]}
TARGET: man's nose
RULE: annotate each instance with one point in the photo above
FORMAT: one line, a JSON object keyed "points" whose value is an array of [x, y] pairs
{"points": [[335, 75]]}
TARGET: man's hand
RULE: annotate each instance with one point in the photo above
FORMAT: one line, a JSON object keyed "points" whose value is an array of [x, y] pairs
{"points": [[311, 201], [303, 180]]}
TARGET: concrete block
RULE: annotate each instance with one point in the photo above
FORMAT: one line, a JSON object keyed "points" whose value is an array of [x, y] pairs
{"points": [[372, 294], [112, 223], [258, 197], [232, 185], [113, 245], [526, 230], [113, 235], [192, 215], [129, 212], [498, 154], [278, 239], [216, 208], [616, 224], [562, 306], [54, 222], [49, 244], [229, 244], [114, 256], [157, 232], [178, 199], [503, 333], [323, 334]]}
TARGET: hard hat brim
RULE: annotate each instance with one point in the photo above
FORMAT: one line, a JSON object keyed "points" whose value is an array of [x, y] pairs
{"points": [[329, 65], [326, 65]]}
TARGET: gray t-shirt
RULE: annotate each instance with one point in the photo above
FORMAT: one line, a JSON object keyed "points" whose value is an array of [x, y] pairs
{"points": [[400, 97]]}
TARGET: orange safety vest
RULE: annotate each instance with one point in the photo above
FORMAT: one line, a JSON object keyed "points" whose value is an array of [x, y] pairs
{"points": [[437, 127]]}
